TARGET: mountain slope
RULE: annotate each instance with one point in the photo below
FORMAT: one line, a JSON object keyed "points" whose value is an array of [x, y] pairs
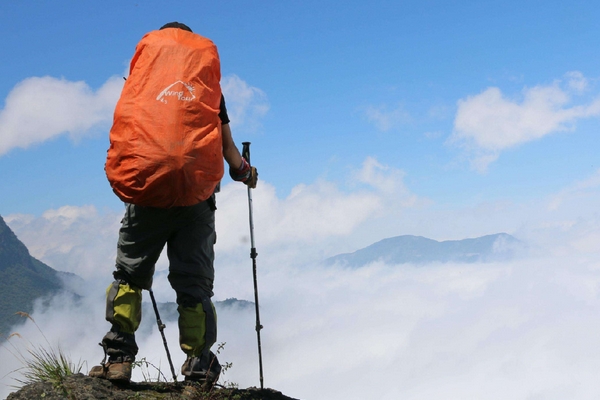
{"points": [[23, 279], [420, 250]]}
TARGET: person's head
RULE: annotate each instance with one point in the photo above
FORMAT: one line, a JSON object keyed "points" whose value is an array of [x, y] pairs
{"points": [[176, 25]]}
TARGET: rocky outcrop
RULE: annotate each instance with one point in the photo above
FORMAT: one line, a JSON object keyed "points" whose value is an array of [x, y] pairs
{"points": [[81, 387]]}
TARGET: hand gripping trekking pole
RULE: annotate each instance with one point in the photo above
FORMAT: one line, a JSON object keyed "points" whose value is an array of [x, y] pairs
{"points": [[161, 328], [253, 254]]}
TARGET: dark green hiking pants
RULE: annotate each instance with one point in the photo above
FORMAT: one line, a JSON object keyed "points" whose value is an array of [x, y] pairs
{"points": [[189, 235]]}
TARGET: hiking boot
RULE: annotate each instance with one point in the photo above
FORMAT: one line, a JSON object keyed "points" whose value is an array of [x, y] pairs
{"points": [[113, 371], [205, 369]]}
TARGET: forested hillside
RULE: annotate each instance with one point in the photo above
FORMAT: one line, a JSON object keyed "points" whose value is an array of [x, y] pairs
{"points": [[23, 279]]}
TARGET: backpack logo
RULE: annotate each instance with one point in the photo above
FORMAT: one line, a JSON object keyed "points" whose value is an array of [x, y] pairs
{"points": [[178, 90]]}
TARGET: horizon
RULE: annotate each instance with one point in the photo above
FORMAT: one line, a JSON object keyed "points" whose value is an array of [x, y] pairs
{"points": [[367, 121]]}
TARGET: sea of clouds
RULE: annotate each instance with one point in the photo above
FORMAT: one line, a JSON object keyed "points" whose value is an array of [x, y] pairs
{"points": [[523, 329]]}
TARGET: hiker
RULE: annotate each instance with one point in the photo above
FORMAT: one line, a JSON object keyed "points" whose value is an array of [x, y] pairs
{"points": [[169, 137]]}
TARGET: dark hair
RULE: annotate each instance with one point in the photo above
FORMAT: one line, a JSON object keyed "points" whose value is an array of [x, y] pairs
{"points": [[176, 25]]}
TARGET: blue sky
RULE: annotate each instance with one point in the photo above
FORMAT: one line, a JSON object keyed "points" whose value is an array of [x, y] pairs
{"points": [[445, 119], [342, 83]]}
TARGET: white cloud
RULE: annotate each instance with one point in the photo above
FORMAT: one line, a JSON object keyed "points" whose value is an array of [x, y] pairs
{"points": [[386, 119], [41, 108], [320, 210], [489, 123], [381, 177], [246, 105], [576, 81]]}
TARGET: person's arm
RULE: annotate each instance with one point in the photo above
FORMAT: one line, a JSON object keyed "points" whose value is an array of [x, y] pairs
{"points": [[230, 151], [239, 169]]}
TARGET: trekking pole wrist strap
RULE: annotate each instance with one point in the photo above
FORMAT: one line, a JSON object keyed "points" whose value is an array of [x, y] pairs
{"points": [[242, 173]]}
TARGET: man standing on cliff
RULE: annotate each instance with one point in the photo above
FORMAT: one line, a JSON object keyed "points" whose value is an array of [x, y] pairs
{"points": [[169, 137]]}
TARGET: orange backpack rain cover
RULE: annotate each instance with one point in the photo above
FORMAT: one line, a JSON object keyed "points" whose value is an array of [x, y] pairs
{"points": [[165, 141]]}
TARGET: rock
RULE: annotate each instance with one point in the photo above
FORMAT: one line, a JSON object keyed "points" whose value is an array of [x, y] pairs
{"points": [[82, 387]]}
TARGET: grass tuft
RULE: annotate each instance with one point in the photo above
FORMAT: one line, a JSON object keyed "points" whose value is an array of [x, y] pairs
{"points": [[47, 365], [42, 363], [145, 367]]}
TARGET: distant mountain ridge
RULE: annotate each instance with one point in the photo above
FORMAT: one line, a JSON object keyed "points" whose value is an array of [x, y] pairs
{"points": [[408, 249], [168, 311]]}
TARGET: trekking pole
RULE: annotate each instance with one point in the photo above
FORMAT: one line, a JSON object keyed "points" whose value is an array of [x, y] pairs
{"points": [[253, 254], [161, 328]]}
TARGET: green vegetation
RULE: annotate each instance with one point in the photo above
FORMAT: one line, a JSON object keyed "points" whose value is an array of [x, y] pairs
{"points": [[153, 377], [43, 363], [48, 365], [146, 369]]}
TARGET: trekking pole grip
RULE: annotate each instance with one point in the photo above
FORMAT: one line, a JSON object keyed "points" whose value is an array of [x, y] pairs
{"points": [[246, 151]]}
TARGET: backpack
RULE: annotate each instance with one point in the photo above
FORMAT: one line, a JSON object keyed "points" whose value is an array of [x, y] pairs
{"points": [[165, 141]]}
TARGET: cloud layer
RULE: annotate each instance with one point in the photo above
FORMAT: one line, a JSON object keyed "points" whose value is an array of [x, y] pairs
{"points": [[516, 330]]}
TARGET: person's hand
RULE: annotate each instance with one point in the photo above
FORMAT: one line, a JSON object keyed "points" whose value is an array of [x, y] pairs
{"points": [[245, 173], [252, 178]]}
